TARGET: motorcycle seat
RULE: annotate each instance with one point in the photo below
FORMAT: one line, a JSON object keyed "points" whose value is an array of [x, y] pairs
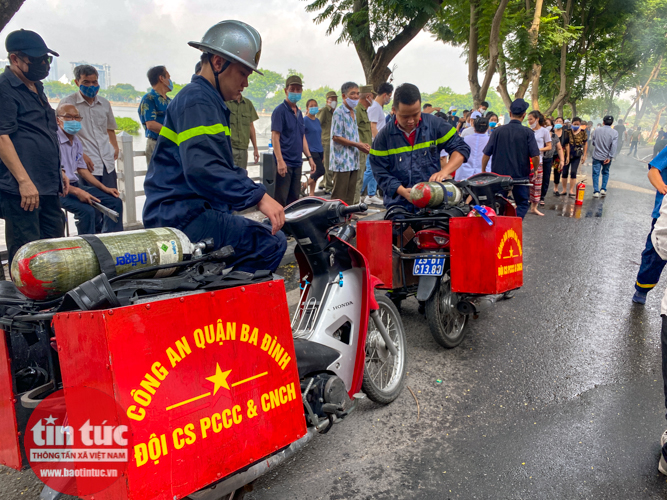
{"points": [[312, 357]]}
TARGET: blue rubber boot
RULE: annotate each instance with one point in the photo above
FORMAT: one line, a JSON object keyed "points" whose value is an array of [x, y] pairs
{"points": [[639, 298]]}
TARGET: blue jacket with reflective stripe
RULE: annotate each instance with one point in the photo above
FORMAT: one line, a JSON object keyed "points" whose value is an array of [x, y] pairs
{"points": [[192, 168], [395, 163]]}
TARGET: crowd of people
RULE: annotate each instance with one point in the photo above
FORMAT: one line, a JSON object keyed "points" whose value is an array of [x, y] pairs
{"points": [[349, 143]]}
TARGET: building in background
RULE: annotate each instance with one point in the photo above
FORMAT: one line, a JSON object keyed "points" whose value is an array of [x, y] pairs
{"points": [[103, 70]]}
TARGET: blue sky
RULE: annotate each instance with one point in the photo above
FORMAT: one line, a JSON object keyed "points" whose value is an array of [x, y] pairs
{"points": [[134, 35]]}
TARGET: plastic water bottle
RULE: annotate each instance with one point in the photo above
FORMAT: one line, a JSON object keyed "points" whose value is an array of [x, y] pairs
{"points": [[270, 148]]}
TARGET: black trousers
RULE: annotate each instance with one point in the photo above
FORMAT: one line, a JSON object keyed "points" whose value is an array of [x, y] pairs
{"points": [[547, 167], [110, 180], [288, 187], [21, 226]]}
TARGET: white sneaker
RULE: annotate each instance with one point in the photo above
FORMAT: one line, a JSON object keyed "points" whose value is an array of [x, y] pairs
{"points": [[603, 192], [373, 200], [662, 465], [596, 195]]}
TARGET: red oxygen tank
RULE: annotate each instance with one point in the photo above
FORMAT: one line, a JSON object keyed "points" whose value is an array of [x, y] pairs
{"points": [[581, 189]]}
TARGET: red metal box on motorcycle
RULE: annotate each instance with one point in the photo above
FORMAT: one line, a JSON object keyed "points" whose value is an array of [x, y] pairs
{"points": [[209, 382], [374, 240], [486, 259]]}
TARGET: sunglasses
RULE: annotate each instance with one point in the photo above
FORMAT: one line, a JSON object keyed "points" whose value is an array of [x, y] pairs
{"points": [[38, 60]]}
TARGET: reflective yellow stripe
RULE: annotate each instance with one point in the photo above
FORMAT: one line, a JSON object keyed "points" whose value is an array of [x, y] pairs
{"points": [[645, 286], [447, 136], [421, 145], [218, 128]]}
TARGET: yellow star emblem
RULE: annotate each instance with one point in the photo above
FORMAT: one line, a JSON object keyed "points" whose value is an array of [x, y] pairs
{"points": [[219, 379]]}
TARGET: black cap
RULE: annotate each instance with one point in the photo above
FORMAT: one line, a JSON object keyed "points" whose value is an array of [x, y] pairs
{"points": [[518, 107], [608, 119], [28, 42]]}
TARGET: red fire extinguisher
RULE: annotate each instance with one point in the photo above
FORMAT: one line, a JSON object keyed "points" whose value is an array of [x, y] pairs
{"points": [[581, 189]]}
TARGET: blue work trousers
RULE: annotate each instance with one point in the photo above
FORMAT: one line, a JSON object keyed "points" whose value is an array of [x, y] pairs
{"points": [[369, 180], [651, 266], [597, 166], [255, 248], [85, 215], [522, 200]]}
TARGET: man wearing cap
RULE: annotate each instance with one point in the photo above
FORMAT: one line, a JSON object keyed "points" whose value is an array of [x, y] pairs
{"points": [[192, 183], [513, 146], [453, 120], [365, 133], [30, 171], [288, 136], [605, 142], [242, 116], [325, 115]]}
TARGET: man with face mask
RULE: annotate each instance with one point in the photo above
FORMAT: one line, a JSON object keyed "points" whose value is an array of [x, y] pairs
{"points": [[325, 116], [98, 131], [30, 175], [288, 136], [346, 145], [80, 198], [483, 108], [192, 183]]}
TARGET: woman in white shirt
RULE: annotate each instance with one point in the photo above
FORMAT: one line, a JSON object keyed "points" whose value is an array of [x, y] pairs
{"points": [[543, 138], [476, 142]]}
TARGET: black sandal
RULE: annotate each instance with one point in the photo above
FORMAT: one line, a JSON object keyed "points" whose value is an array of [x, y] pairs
{"points": [[541, 203]]}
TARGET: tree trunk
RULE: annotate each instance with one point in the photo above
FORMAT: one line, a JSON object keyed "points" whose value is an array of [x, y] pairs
{"points": [[654, 130], [641, 111], [573, 105], [562, 92], [7, 10], [473, 52], [642, 90], [533, 33], [376, 63], [494, 51], [502, 82], [535, 85]]}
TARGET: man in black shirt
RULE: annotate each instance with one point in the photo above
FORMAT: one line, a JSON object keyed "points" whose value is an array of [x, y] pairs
{"points": [[30, 172], [513, 147]]}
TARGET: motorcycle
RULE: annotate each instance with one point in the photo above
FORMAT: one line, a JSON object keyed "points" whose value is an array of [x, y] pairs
{"points": [[420, 257], [349, 343]]}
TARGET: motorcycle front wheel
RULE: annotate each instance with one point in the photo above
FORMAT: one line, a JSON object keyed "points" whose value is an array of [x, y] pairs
{"points": [[446, 323], [384, 374]]}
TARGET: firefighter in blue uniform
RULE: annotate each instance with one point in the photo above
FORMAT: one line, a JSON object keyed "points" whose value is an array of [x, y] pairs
{"points": [[192, 183], [407, 149]]}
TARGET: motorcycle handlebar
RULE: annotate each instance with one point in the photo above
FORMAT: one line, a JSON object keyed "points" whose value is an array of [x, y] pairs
{"points": [[353, 209], [520, 182]]}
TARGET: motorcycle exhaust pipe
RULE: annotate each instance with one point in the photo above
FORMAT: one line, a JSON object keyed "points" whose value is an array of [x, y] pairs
{"points": [[233, 483], [478, 304]]}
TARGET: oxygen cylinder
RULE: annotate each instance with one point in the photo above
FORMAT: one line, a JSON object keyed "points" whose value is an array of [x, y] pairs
{"points": [[47, 269], [434, 194]]}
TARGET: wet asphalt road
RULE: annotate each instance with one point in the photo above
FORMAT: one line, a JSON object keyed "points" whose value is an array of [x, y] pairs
{"points": [[556, 393]]}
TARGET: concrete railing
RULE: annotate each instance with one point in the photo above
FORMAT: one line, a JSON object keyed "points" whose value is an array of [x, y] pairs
{"points": [[127, 175]]}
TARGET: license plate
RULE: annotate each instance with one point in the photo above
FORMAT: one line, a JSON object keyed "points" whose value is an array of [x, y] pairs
{"points": [[429, 267]]}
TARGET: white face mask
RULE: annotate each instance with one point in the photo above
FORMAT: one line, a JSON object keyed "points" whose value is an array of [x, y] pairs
{"points": [[333, 104], [533, 125]]}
